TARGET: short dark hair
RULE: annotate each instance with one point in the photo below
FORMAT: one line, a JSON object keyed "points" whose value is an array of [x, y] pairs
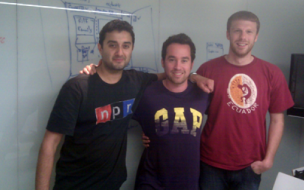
{"points": [[243, 15], [118, 25], [180, 39]]}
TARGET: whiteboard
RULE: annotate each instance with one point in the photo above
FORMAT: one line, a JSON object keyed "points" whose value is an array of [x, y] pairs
{"points": [[43, 44], [42, 47]]}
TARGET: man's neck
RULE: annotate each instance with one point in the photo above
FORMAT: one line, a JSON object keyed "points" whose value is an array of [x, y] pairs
{"points": [[239, 61], [109, 76], [176, 88]]}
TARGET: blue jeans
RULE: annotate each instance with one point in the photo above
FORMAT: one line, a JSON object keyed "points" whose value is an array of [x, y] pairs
{"points": [[212, 178]]}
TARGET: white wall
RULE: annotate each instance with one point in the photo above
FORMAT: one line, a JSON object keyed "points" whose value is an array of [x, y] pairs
{"points": [[8, 93]]}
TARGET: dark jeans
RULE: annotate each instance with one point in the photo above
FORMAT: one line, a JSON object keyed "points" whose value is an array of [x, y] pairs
{"points": [[212, 178]]}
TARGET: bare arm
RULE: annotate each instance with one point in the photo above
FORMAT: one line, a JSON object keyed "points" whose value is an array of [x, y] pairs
{"points": [[207, 85], [275, 134], [46, 159], [91, 69], [204, 83]]}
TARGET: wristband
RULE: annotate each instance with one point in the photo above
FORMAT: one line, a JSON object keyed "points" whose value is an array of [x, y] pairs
{"points": [[190, 77]]}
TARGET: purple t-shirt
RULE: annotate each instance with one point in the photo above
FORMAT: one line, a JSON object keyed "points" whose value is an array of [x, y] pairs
{"points": [[173, 122]]}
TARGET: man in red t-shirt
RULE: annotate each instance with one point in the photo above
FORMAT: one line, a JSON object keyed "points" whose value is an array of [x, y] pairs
{"points": [[234, 150]]}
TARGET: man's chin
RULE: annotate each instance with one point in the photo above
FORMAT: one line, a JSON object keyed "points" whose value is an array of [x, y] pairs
{"points": [[178, 82], [119, 67]]}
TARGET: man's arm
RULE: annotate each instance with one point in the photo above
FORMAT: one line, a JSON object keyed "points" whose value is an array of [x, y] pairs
{"points": [[275, 134], [46, 159], [207, 85], [91, 69], [203, 83]]}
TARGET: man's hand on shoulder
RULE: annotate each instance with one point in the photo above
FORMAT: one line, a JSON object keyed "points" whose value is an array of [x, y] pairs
{"points": [[89, 69], [207, 85]]}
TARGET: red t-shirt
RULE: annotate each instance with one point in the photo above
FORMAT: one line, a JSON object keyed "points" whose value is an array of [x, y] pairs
{"points": [[234, 135]]}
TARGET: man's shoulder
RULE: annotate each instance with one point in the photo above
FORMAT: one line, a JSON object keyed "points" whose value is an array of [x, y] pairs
{"points": [[213, 62], [133, 72], [139, 76], [155, 86], [197, 91], [208, 68], [79, 77], [267, 65], [77, 80]]}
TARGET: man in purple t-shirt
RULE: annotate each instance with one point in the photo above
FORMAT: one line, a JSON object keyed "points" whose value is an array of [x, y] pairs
{"points": [[171, 114]]}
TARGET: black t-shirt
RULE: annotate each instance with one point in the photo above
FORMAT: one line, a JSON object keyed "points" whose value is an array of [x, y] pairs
{"points": [[94, 117]]}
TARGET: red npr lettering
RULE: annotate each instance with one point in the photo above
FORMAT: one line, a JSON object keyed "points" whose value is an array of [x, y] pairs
{"points": [[103, 114]]}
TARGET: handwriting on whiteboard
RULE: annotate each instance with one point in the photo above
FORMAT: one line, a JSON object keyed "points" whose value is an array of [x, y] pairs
{"points": [[84, 31], [214, 50], [113, 4], [2, 40]]}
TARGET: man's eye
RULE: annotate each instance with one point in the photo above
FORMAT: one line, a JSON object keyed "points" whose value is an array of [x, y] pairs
{"points": [[126, 46]]}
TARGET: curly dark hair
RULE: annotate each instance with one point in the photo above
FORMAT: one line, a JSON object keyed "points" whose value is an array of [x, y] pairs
{"points": [[118, 25]]}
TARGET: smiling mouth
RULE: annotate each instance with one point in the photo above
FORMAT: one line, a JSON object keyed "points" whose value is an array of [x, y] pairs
{"points": [[241, 44], [178, 74]]}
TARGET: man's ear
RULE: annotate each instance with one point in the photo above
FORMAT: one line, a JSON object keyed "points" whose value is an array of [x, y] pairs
{"points": [[256, 37], [227, 35], [99, 48], [192, 63], [163, 63]]}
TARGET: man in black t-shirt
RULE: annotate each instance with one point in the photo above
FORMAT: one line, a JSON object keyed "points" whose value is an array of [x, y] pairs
{"points": [[93, 113]]}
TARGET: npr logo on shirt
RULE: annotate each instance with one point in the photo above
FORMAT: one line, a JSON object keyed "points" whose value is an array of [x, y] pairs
{"points": [[117, 110]]}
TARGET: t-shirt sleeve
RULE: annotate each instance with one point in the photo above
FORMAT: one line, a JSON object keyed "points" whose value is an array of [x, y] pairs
{"points": [[146, 79], [280, 97], [149, 77], [141, 78], [64, 115], [202, 70]]}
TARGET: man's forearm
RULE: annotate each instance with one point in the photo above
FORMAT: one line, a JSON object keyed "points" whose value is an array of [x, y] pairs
{"points": [[46, 160], [207, 85], [44, 169], [275, 134]]}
